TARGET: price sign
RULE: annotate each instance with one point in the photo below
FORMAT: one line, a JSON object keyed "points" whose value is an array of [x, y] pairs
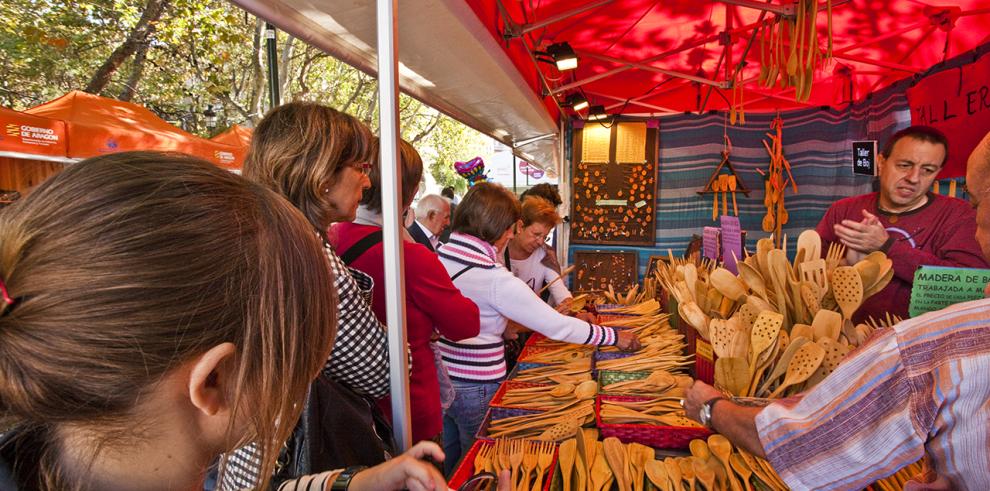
{"points": [[937, 287]]}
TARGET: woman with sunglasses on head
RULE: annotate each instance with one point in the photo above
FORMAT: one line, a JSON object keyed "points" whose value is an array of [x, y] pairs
{"points": [[147, 325], [433, 303], [484, 222], [318, 158]]}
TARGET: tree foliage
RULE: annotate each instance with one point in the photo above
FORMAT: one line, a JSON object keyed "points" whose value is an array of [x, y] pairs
{"points": [[195, 55]]}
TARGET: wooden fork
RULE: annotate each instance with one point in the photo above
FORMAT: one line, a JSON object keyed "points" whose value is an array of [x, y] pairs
{"points": [[836, 253], [545, 458], [530, 460]]}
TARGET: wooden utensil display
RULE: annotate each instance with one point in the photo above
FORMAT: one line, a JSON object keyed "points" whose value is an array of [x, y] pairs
{"points": [[613, 203], [598, 270]]}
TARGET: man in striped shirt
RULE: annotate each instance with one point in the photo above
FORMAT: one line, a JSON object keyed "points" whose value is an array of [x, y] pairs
{"points": [[918, 389]]}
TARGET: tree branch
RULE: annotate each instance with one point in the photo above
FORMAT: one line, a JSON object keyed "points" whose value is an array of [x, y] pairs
{"points": [[141, 33]]}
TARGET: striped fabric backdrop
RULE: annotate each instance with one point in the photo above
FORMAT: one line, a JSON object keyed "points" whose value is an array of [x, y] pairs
{"points": [[816, 143]]}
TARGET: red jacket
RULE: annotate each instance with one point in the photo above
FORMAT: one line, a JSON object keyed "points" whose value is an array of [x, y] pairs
{"points": [[433, 303]]}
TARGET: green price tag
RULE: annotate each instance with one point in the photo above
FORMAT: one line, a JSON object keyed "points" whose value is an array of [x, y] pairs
{"points": [[937, 287]]}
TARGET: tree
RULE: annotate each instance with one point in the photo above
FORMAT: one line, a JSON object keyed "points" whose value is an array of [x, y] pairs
{"points": [[180, 57]]}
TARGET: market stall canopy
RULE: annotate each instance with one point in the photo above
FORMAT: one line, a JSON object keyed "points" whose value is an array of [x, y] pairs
{"points": [[447, 60], [26, 136], [96, 125], [647, 57], [238, 137]]}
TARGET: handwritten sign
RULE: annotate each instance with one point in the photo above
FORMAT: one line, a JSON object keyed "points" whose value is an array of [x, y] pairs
{"points": [[865, 157], [937, 287], [731, 242], [709, 243], [956, 101]]}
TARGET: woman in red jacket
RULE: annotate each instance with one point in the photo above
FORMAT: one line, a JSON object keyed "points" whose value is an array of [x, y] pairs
{"points": [[433, 303]]}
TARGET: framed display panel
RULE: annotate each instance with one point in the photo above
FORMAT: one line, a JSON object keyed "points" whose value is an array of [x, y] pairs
{"points": [[613, 197], [594, 270]]}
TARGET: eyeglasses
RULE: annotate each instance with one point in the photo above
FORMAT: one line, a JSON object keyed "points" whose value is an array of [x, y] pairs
{"points": [[362, 167]]}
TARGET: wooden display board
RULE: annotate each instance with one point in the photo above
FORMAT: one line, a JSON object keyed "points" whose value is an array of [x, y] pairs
{"points": [[594, 270], [614, 195]]}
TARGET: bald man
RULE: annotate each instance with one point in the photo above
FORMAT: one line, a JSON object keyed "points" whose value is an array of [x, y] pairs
{"points": [[432, 216], [920, 388]]}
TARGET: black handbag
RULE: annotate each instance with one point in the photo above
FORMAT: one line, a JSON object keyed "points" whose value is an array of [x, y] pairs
{"points": [[338, 428]]}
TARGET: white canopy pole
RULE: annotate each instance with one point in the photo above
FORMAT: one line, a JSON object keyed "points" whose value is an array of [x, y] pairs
{"points": [[395, 295]]}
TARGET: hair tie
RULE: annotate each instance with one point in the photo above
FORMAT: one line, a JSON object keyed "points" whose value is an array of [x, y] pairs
{"points": [[6, 297]]}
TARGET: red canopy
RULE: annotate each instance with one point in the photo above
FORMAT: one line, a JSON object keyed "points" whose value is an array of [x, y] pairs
{"points": [[97, 125], [634, 54]]}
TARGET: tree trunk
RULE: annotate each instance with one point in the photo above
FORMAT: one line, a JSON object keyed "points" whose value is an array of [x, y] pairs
{"points": [[285, 67], [137, 70], [258, 73], [141, 33]]}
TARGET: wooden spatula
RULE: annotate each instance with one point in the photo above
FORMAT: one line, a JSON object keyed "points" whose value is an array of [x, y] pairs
{"points": [[834, 354], [806, 360], [615, 454], [781, 366], [732, 374], [847, 287]]}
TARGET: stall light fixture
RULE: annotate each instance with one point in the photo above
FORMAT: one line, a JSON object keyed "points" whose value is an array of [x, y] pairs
{"points": [[597, 113], [563, 55], [577, 102], [560, 54]]}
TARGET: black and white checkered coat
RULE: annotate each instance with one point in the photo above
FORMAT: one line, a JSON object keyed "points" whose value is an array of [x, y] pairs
{"points": [[359, 359]]}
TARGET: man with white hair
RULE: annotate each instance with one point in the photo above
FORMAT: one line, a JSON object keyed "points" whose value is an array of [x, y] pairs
{"points": [[432, 216]]}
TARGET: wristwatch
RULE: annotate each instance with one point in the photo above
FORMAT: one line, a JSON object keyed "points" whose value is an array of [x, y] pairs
{"points": [[343, 480], [705, 414]]}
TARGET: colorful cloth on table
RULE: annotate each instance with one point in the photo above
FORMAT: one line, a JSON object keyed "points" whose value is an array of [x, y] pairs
{"points": [[940, 233], [474, 268], [918, 388]]}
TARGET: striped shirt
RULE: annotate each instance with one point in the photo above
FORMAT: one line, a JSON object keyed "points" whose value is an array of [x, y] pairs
{"points": [[919, 388], [500, 296]]}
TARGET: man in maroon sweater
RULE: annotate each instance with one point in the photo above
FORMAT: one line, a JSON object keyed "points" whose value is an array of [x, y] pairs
{"points": [[911, 225]]}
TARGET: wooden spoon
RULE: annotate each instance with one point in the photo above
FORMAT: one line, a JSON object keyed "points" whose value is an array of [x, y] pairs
{"points": [[728, 284], [721, 447], [566, 455], [869, 272], [687, 470], [753, 279], [657, 472], [601, 473], [639, 456], [615, 453], [881, 283], [847, 287], [827, 324], [586, 390], [732, 187], [674, 471], [739, 465], [704, 473], [806, 360]]}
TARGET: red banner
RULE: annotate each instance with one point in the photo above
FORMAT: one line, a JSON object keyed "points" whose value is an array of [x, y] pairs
{"points": [[956, 101]]}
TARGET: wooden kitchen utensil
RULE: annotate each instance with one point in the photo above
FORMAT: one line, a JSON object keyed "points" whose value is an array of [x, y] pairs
{"points": [[615, 454], [782, 362], [567, 454], [806, 360], [721, 448], [847, 286], [827, 324]]}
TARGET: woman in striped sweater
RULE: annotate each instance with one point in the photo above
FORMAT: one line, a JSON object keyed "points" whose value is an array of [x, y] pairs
{"points": [[483, 223]]}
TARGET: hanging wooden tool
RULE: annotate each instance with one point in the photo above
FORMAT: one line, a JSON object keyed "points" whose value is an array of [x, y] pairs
{"points": [[795, 67], [724, 183], [775, 183]]}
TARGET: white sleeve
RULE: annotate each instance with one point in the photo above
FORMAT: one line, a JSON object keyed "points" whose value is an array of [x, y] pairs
{"points": [[558, 290], [514, 300]]}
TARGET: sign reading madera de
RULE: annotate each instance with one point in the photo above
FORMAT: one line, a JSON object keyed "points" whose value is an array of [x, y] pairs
{"points": [[937, 287]]}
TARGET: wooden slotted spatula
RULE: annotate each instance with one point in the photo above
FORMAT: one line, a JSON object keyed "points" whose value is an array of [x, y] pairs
{"points": [[835, 352], [847, 287], [785, 359], [806, 360], [762, 338]]}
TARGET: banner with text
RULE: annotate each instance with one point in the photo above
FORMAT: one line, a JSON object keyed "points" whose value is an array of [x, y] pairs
{"points": [[937, 287], [956, 101]]}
